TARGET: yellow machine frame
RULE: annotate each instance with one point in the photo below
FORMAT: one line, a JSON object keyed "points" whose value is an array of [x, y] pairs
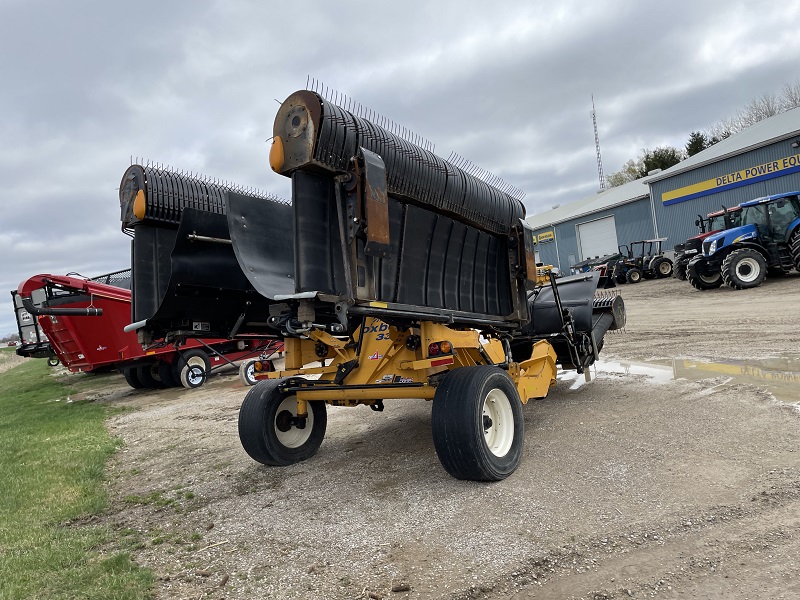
{"points": [[384, 362], [543, 275]]}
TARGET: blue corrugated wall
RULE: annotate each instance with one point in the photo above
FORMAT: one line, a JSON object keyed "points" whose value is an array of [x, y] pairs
{"points": [[634, 221]]}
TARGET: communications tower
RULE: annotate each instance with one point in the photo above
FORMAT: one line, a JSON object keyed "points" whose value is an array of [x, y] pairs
{"points": [[597, 145]]}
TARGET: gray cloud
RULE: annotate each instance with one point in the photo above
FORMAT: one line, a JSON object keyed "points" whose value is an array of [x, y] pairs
{"points": [[508, 85]]}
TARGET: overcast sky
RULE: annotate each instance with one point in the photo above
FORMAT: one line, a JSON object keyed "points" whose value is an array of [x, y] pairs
{"points": [[86, 85]]}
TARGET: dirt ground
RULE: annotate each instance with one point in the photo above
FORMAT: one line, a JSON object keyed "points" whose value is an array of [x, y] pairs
{"points": [[675, 473]]}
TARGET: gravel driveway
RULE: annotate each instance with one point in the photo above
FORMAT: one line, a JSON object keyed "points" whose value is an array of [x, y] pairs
{"points": [[633, 485]]}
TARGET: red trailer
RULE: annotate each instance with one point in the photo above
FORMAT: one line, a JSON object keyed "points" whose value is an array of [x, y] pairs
{"points": [[84, 319]]}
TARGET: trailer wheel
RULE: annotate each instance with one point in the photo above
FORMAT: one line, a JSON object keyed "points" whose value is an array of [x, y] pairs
{"points": [[744, 268], [477, 424], [132, 378], [699, 276], [191, 368], [167, 375], [662, 267], [53, 361], [633, 275], [247, 372], [148, 376], [268, 428]]}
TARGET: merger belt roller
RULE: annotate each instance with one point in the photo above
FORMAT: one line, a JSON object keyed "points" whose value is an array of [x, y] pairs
{"points": [[186, 274], [313, 134], [385, 227]]}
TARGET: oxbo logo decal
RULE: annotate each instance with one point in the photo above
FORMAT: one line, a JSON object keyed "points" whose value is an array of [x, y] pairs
{"points": [[378, 327]]}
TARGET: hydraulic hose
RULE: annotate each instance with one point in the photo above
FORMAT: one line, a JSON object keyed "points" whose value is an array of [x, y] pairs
{"points": [[39, 311]]}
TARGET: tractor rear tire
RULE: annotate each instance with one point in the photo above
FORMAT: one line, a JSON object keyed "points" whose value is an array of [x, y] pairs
{"points": [[477, 424], [699, 278], [794, 247], [267, 431], [744, 268], [633, 275], [662, 267], [776, 272], [191, 368], [680, 270]]}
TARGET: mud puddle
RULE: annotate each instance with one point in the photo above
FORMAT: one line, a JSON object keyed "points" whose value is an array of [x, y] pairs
{"points": [[780, 375]]}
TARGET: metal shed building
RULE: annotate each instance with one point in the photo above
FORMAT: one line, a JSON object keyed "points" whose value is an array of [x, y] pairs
{"points": [[593, 226], [761, 160]]}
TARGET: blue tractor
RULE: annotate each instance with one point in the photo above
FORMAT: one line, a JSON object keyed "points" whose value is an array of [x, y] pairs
{"points": [[768, 239]]}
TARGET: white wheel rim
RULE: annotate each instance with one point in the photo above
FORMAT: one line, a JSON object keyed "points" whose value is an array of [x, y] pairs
{"points": [[295, 437], [664, 268], [250, 372], [747, 269], [499, 435], [196, 361], [195, 375]]}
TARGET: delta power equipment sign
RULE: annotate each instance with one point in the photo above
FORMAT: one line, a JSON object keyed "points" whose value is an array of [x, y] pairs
{"points": [[775, 168]]}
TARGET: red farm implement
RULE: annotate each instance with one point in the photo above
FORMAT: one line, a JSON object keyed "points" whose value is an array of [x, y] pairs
{"points": [[84, 320]]}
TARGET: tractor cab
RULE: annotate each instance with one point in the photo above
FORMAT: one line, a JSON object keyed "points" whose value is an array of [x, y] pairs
{"points": [[771, 217]]}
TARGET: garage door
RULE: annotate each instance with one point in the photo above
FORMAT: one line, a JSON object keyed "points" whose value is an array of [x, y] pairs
{"points": [[597, 238]]}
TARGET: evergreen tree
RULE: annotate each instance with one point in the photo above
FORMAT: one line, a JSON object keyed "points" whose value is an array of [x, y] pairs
{"points": [[697, 143]]}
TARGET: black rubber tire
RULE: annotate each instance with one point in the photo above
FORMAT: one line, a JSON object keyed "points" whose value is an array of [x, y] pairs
{"points": [[167, 375], [620, 279], [53, 361], [776, 272], [633, 275], [662, 267], [149, 377], [132, 378], [259, 428], [191, 368], [679, 270], [699, 278], [459, 418], [744, 268], [794, 248]]}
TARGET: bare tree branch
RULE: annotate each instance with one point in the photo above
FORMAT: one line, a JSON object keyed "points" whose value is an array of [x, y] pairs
{"points": [[790, 95]]}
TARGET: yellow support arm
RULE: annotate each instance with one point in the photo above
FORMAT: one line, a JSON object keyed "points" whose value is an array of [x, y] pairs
{"points": [[535, 376]]}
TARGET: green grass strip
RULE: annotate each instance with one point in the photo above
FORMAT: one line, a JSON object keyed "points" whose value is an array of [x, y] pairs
{"points": [[52, 463]]}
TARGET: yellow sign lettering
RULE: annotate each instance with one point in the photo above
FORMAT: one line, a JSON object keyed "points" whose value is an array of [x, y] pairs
{"points": [[774, 168]]}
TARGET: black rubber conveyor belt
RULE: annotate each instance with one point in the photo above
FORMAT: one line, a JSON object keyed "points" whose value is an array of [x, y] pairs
{"points": [[311, 132]]}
